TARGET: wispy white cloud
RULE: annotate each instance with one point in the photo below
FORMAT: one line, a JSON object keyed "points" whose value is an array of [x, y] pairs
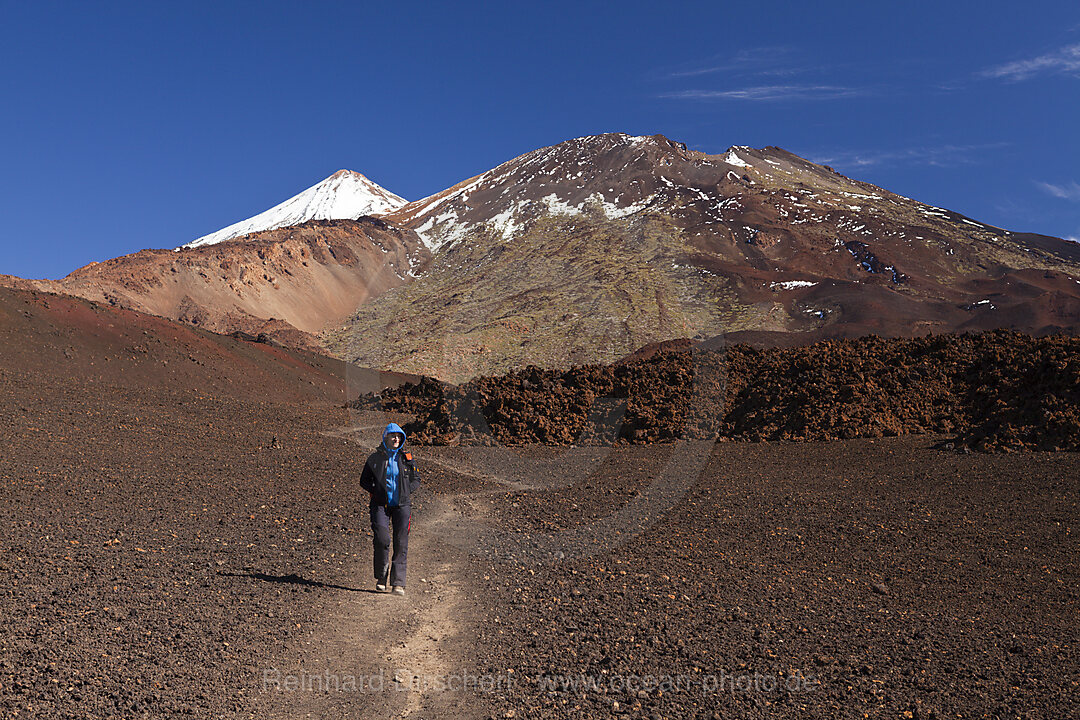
{"points": [[1065, 60], [1068, 191], [948, 155], [769, 93], [758, 61], [760, 74]]}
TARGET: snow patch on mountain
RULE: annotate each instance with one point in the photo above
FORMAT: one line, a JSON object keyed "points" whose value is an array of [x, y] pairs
{"points": [[733, 159], [345, 195], [447, 228], [555, 206], [504, 224], [791, 284], [443, 229], [613, 211]]}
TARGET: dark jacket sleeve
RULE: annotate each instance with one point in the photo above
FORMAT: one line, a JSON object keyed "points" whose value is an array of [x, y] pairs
{"points": [[367, 477]]}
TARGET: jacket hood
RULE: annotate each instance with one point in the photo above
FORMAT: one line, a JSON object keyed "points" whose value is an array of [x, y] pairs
{"points": [[394, 428]]}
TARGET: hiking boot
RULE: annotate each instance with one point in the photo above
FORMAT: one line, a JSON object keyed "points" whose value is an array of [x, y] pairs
{"points": [[399, 590], [380, 584]]}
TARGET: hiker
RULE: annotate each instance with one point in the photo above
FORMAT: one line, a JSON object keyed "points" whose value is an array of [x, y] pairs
{"points": [[390, 476]]}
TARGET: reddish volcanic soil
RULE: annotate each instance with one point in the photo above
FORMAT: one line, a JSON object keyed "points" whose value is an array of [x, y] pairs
{"points": [[997, 390], [849, 579], [172, 512], [181, 514]]}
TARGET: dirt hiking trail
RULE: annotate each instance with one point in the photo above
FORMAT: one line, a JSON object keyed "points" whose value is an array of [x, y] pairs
{"points": [[374, 654]]}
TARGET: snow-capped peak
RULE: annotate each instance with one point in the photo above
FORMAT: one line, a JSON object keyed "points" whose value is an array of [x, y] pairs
{"points": [[345, 195]]}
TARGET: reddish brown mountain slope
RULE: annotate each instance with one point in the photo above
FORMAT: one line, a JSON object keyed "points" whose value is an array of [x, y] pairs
{"points": [[51, 340], [289, 282]]}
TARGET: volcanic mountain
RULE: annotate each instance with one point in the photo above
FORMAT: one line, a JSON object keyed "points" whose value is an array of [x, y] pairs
{"points": [[587, 250], [285, 273], [345, 195]]}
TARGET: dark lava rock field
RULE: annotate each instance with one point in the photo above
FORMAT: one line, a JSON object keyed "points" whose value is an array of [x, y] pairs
{"points": [[991, 391]]}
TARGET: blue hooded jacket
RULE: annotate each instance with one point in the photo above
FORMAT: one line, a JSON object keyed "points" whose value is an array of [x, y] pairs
{"points": [[389, 473], [392, 465]]}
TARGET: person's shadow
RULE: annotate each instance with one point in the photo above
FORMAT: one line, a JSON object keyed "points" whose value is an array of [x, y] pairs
{"points": [[294, 579]]}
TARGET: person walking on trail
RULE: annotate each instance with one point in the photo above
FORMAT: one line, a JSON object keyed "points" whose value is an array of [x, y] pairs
{"points": [[390, 476]]}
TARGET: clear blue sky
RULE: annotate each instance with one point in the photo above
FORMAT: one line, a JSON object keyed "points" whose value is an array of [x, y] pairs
{"points": [[134, 125]]}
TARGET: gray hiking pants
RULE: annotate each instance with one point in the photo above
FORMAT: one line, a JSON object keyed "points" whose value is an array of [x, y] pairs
{"points": [[381, 519]]}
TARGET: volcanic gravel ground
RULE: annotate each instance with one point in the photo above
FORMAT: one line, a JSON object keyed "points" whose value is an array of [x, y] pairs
{"points": [[996, 391], [180, 513], [135, 539], [162, 553], [864, 578]]}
